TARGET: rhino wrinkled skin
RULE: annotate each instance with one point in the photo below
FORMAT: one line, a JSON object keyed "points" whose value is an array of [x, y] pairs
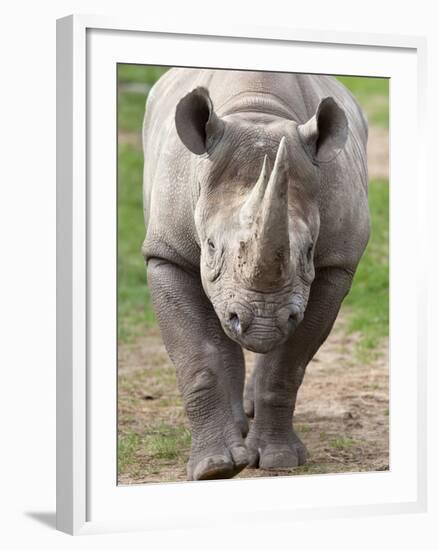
{"points": [[255, 200]]}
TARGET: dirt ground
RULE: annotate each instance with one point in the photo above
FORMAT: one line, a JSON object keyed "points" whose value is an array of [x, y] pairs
{"points": [[342, 412]]}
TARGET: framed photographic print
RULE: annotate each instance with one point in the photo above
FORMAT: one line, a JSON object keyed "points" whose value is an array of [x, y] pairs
{"points": [[234, 211]]}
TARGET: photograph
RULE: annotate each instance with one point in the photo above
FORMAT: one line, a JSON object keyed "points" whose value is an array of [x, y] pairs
{"points": [[252, 274]]}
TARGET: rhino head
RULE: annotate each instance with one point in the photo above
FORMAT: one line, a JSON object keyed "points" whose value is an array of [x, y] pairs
{"points": [[257, 219]]}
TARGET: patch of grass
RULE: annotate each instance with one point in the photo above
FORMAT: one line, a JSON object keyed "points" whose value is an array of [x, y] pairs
{"points": [[342, 443], [365, 86], [131, 111], [171, 401], [140, 454], [134, 307], [127, 447], [143, 74], [373, 96], [131, 102], [367, 305], [168, 443], [303, 428]]}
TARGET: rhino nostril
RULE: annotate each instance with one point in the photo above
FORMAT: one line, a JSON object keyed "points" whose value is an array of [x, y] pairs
{"points": [[235, 322]]}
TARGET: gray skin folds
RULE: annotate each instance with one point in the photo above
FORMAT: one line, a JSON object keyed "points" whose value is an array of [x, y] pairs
{"points": [[255, 201]]}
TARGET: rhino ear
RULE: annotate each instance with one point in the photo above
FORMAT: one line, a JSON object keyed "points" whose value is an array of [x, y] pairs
{"points": [[325, 134], [198, 126]]}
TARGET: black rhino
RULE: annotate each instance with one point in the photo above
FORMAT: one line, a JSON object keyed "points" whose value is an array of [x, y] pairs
{"points": [[255, 201]]}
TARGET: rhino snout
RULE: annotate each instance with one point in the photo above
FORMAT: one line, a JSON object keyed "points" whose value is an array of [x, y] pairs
{"points": [[260, 331]]}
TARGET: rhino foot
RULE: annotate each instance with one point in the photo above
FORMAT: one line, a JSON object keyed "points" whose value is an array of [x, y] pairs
{"points": [[276, 456], [221, 465]]}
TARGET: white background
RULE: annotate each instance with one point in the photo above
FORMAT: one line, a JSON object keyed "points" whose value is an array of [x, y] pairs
{"points": [[27, 229]]}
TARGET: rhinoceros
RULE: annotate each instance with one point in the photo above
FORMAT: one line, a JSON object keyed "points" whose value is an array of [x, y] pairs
{"points": [[255, 201]]}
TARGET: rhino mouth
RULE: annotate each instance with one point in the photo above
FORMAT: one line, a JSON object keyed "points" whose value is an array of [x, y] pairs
{"points": [[260, 334], [259, 321], [261, 339]]}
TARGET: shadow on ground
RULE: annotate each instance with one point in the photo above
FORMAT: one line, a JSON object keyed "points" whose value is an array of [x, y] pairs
{"points": [[46, 518]]}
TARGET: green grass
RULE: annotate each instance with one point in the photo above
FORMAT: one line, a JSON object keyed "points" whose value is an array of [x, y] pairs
{"points": [[134, 307], [132, 99], [127, 448], [168, 442], [144, 453], [373, 95], [303, 428], [141, 74], [367, 305], [342, 443], [130, 111]]}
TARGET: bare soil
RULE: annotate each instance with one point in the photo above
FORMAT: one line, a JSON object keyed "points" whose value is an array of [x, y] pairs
{"points": [[342, 413]]}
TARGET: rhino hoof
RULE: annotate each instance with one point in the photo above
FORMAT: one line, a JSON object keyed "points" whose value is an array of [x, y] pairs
{"points": [[278, 457], [221, 466], [278, 460]]}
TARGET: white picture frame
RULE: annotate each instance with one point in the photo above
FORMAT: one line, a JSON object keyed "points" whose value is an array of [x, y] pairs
{"points": [[88, 499]]}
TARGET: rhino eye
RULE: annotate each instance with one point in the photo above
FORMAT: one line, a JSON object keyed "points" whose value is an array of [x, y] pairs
{"points": [[211, 246]]}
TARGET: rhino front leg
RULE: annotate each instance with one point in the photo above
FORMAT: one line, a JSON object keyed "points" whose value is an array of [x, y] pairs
{"points": [[272, 441], [195, 342], [235, 367]]}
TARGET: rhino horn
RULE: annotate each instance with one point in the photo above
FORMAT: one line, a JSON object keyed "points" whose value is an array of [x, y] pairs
{"points": [[267, 208], [250, 209]]}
